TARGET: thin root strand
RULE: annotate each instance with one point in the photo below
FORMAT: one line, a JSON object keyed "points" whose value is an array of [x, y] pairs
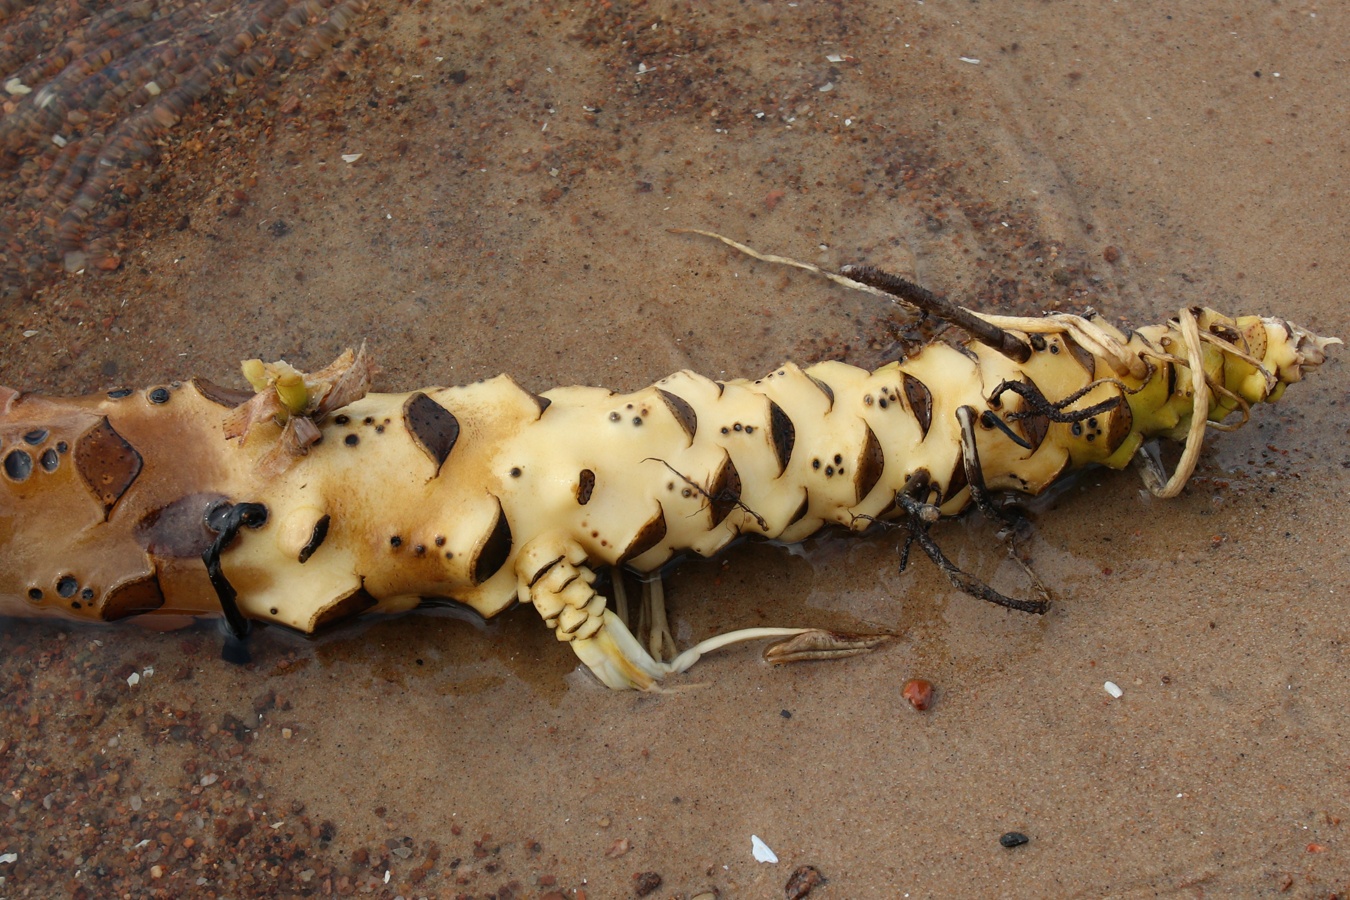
{"points": [[983, 331]]}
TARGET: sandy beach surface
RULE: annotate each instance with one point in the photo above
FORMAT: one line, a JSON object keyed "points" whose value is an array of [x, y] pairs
{"points": [[483, 188]]}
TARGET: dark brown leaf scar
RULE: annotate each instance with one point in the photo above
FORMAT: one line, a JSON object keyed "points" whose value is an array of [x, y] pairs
{"points": [[542, 402], [648, 536], [1081, 355], [725, 494], [958, 481], [784, 435], [132, 598], [824, 389], [496, 550], [107, 463], [433, 427], [870, 465], [682, 411], [920, 401], [585, 484], [316, 538], [219, 394]]}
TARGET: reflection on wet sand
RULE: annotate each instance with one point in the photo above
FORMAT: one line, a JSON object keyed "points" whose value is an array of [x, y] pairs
{"points": [[91, 92]]}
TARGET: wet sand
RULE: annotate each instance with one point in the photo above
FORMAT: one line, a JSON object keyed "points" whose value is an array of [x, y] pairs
{"points": [[519, 166]]}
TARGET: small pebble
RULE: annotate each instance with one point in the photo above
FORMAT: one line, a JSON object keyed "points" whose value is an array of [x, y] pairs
{"points": [[1013, 839], [804, 879], [1113, 689], [645, 883], [919, 693]]}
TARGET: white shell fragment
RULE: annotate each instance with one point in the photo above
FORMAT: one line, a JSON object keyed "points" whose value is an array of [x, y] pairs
{"points": [[351, 157], [761, 850], [133, 679], [1113, 689], [16, 88], [8, 858]]}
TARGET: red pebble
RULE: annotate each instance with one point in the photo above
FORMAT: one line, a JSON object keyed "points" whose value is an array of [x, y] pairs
{"points": [[919, 693]]}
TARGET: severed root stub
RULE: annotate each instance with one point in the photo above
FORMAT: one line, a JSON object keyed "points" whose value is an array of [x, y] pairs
{"points": [[817, 644]]}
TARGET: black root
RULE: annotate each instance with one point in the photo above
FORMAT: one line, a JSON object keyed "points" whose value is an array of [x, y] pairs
{"points": [[227, 522]]}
